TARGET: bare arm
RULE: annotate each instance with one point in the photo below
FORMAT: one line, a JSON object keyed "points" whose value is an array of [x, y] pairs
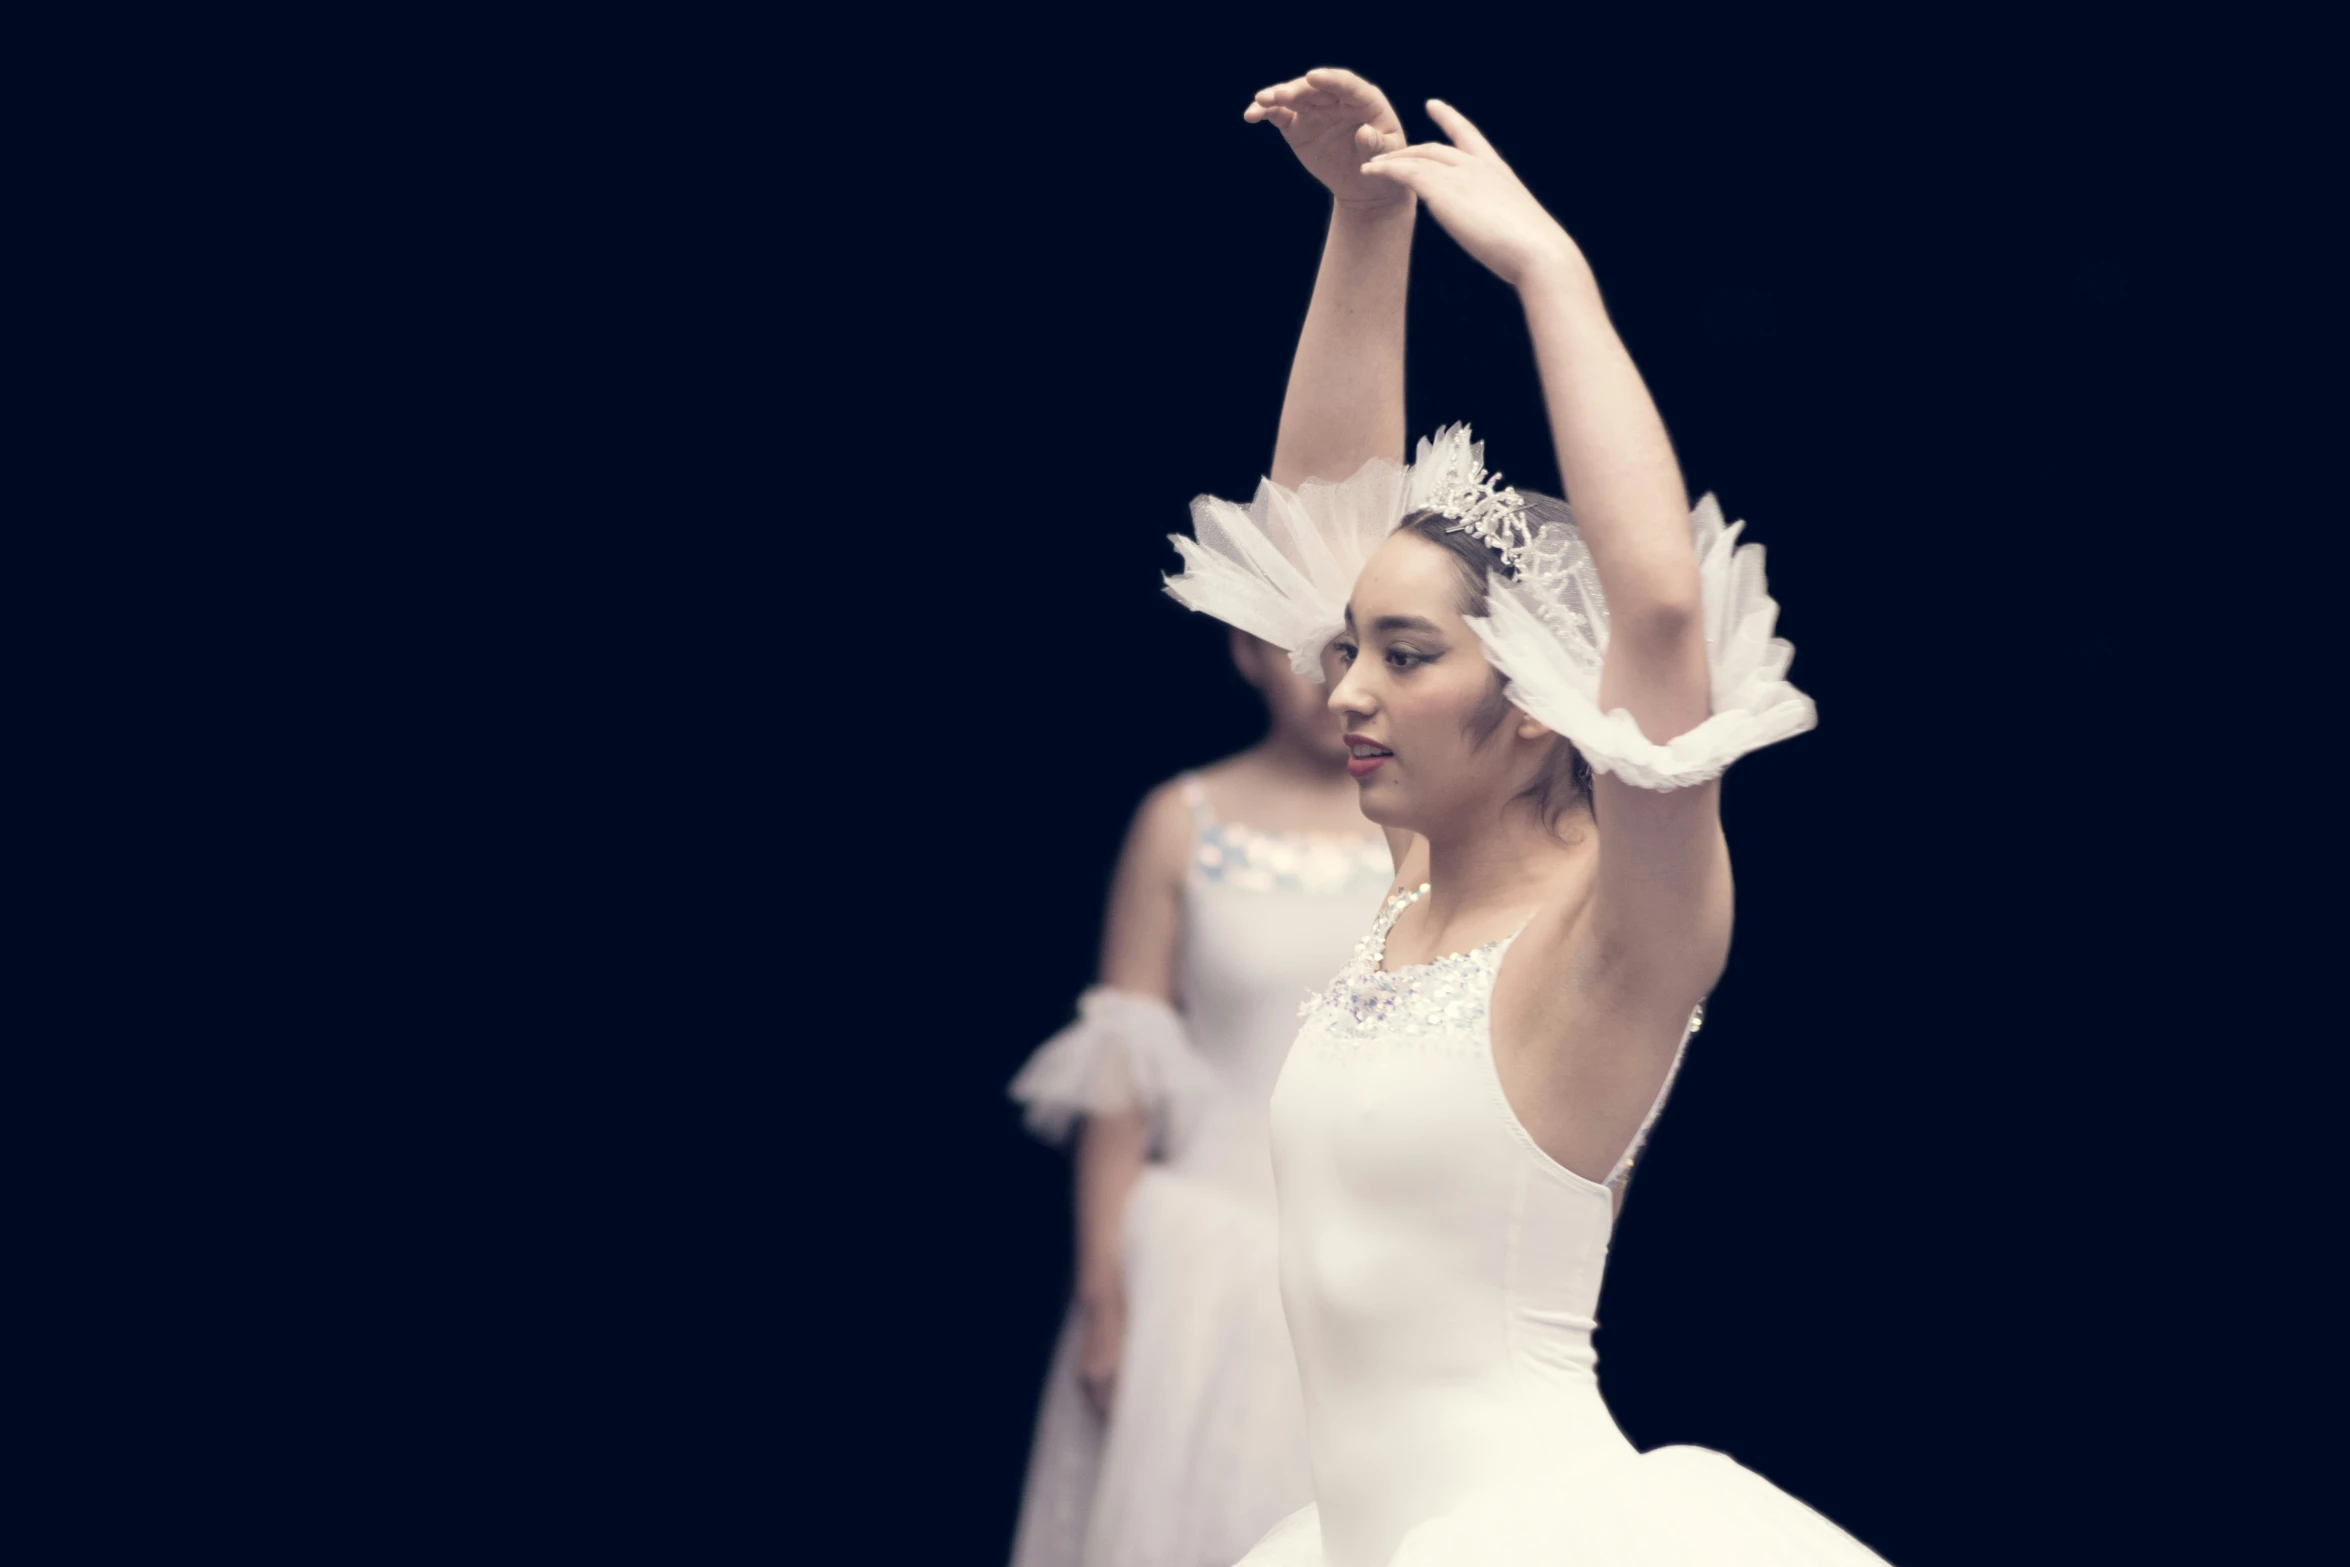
{"points": [[1140, 940], [1111, 1151], [1662, 903], [1625, 485], [1344, 404], [1661, 910]]}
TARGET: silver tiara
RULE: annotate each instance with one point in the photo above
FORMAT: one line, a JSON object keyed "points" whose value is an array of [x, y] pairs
{"points": [[1479, 505]]}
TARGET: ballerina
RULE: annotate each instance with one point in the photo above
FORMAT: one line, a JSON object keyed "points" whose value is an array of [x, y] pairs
{"points": [[1457, 1116], [1171, 1429]]}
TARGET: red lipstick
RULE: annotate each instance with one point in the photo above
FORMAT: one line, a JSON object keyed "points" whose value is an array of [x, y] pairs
{"points": [[1366, 755]]}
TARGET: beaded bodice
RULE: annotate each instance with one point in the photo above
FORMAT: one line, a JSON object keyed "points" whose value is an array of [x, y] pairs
{"points": [[1445, 998]]}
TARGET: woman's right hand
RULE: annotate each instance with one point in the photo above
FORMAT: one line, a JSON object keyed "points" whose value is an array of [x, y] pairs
{"points": [[1336, 122], [1101, 1342]]}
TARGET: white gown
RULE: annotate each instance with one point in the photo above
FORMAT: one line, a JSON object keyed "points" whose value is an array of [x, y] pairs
{"points": [[1440, 1275], [1206, 1445]]}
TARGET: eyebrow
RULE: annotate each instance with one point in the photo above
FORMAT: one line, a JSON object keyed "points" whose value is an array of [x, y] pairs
{"points": [[1395, 622]]}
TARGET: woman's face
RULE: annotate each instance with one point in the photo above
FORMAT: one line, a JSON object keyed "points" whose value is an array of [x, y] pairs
{"points": [[1407, 678], [1295, 704]]}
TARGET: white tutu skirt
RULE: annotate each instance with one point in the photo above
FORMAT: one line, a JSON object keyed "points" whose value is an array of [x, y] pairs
{"points": [[1205, 1446], [1673, 1507]]}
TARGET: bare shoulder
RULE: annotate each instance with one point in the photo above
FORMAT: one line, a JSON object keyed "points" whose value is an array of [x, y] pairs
{"points": [[1159, 838]]}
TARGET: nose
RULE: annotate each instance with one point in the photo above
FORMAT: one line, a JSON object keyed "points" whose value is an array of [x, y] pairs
{"points": [[1348, 696]]}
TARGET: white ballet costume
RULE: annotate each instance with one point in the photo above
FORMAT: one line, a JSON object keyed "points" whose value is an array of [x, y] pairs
{"points": [[1205, 1448], [1440, 1273], [1441, 1276]]}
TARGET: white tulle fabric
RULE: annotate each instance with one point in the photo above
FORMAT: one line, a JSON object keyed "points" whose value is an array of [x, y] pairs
{"points": [[1124, 1052], [1282, 567], [1672, 1507], [1548, 633]]}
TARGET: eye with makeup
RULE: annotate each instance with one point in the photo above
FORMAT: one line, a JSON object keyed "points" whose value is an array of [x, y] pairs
{"points": [[1398, 656]]}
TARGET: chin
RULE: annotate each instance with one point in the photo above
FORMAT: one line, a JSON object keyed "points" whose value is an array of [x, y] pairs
{"points": [[1380, 806]]}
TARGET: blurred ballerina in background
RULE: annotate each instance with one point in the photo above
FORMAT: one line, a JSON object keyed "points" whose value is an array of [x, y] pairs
{"points": [[1171, 1431]]}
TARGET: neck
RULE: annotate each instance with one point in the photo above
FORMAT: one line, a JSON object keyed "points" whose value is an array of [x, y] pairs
{"points": [[1504, 862]]}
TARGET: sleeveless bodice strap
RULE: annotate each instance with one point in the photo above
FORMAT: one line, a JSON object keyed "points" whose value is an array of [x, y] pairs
{"points": [[1623, 1169]]}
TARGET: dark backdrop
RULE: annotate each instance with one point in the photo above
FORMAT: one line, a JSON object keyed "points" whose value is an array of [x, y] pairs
{"points": [[1891, 320], [893, 368]]}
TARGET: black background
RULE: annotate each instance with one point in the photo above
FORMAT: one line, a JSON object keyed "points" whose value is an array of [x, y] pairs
{"points": [[843, 397], [1892, 324]]}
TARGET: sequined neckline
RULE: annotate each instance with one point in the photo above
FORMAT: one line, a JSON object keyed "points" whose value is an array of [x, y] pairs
{"points": [[1375, 945], [1442, 1002], [1259, 859]]}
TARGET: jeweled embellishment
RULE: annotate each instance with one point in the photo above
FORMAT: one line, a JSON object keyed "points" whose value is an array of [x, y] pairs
{"points": [[1447, 997], [1479, 504], [1256, 860]]}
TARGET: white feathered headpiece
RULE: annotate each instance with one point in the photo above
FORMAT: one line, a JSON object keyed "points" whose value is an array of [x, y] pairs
{"points": [[1283, 569]]}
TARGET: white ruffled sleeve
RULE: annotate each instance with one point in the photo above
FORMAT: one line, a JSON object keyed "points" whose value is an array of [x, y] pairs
{"points": [[1281, 568], [1548, 631], [1124, 1052]]}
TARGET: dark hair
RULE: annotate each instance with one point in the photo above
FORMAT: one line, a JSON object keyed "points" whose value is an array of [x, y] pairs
{"points": [[1565, 780]]}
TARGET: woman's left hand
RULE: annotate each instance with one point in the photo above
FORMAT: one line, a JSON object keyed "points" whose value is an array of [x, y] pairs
{"points": [[1478, 198]]}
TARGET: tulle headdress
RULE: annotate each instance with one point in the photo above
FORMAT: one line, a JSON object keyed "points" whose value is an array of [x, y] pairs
{"points": [[1283, 567]]}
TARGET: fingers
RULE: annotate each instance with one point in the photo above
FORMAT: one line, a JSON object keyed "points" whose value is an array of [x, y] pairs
{"points": [[1278, 103], [1456, 125], [1324, 87], [1337, 78], [1334, 87], [1292, 93], [1430, 152], [1410, 173], [1345, 86], [1412, 167]]}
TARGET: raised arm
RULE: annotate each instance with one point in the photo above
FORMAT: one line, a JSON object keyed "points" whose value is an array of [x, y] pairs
{"points": [[1345, 399], [1662, 905]]}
